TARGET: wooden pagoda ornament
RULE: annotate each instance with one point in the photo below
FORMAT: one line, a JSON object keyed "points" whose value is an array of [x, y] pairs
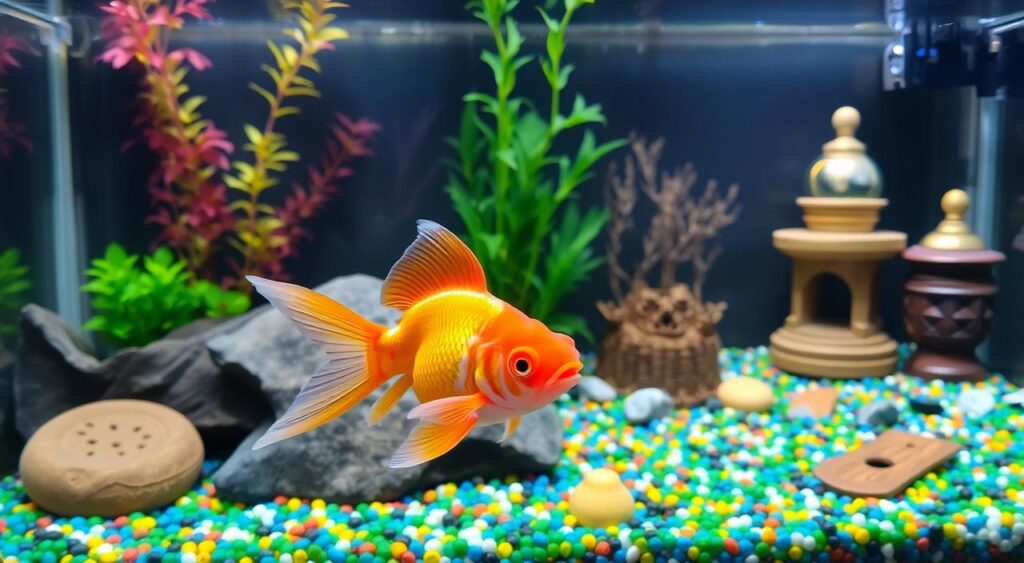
{"points": [[949, 297], [841, 240]]}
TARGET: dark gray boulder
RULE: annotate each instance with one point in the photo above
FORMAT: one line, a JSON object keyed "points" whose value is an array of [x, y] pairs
{"points": [[10, 441], [56, 370], [346, 459]]}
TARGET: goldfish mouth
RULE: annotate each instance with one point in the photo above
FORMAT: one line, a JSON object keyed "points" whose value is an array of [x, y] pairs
{"points": [[567, 371]]}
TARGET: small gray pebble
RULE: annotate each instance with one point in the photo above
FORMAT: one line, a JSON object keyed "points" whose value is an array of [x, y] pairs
{"points": [[975, 402], [1015, 398], [596, 389], [800, 411], [649, 403], [878, 413]]}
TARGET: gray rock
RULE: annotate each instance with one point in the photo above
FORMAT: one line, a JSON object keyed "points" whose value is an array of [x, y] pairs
{"points": [[592, 388], [647, 404], [975, 402], [55, 370], [346, 459], [10, 441], [878, 413]]}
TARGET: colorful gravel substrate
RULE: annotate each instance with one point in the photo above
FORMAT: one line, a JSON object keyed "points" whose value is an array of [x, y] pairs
{"points": [[711, 484]]}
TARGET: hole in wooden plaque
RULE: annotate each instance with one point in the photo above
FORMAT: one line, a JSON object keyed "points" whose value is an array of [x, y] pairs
{"points": [[879, 462]]}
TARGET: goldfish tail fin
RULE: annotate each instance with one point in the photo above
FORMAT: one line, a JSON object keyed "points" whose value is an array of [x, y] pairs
{"points": [[351, 372]]}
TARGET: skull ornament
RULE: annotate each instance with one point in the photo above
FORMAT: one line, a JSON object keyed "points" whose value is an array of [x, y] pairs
{"points": [[668, 312]]}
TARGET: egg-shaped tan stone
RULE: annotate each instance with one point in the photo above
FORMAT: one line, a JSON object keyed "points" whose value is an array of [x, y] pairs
{"points": [[601, 500], [111, 457], [746, 394]]}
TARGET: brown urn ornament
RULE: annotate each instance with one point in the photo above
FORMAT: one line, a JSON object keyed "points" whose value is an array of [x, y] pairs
{"points": [[949, 297]]}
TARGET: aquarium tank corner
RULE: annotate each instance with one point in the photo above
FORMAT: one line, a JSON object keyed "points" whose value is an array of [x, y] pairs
{"points": [[511, 281]]}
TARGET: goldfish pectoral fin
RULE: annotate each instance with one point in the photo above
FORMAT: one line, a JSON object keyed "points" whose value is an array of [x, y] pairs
{"points": [[429, 440], [332, 390], [449, 410], [510, 428], [436, 261], [389, 399]]}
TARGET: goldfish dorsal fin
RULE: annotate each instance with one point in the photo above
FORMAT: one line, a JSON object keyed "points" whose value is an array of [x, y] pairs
{"points": [[436, 261]]}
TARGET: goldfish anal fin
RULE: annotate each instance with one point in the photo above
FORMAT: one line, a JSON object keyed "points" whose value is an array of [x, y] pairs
{"points": [[351, 372], [449, 410], [510, 428], [429, 440], [389, 399], [436, 261]]}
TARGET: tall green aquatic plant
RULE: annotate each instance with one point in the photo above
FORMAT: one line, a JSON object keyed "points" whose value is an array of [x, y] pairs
{"points": [[515, 194], [13, 285]]}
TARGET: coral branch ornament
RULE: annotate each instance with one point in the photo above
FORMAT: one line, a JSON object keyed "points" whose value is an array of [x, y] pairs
{"points": [[663, 336]]}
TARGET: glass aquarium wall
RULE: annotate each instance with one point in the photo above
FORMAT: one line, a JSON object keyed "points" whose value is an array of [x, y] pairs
{"points": [[29, 270], [741, 90], [1006, 155]]}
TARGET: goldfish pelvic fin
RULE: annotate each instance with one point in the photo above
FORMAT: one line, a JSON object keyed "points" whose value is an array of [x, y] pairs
{"points": [[389, 399], [510, 428], [449, 410], [351, 372], [429, 440], [436, 261]]}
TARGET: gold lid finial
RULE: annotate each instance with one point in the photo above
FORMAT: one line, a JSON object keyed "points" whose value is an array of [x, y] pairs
{"points": [[845, 121], [953, 232]]}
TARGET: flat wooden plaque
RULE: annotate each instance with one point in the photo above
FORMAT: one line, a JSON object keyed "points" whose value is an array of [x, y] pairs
{"points": [[886, 466]]}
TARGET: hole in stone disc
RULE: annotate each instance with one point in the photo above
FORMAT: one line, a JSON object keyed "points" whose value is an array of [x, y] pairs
{"points": [[142, 446], [81, 432], [137, 429], [90, 441], [879, 462], [120, 452], [88, 425], [113, 427], [89, 453], [145, 437], [116, 444]]}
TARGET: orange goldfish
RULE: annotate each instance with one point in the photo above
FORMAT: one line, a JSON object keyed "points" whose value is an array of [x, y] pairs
{"points": [[471, 358]]}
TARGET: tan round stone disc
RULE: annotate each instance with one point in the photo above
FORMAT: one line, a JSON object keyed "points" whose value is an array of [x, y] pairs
{"points": [[110, 458]]}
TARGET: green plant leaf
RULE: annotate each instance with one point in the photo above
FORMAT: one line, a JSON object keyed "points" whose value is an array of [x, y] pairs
{"points": [[135, 305], [506, 185]]}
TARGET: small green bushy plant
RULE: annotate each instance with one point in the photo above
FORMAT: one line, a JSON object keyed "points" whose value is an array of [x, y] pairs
{"points": [[138, 301], [13, 285], [514, 193]]}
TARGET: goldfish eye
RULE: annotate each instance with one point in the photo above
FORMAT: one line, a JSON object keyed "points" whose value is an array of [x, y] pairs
{"points": [[521, 361]]}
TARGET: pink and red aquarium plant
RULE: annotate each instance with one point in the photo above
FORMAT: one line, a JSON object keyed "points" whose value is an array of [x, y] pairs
{"points": [[12, 133], [209, 208]]}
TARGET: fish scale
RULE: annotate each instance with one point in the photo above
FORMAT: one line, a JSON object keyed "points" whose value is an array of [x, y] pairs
{"points": [[443, 327]]}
